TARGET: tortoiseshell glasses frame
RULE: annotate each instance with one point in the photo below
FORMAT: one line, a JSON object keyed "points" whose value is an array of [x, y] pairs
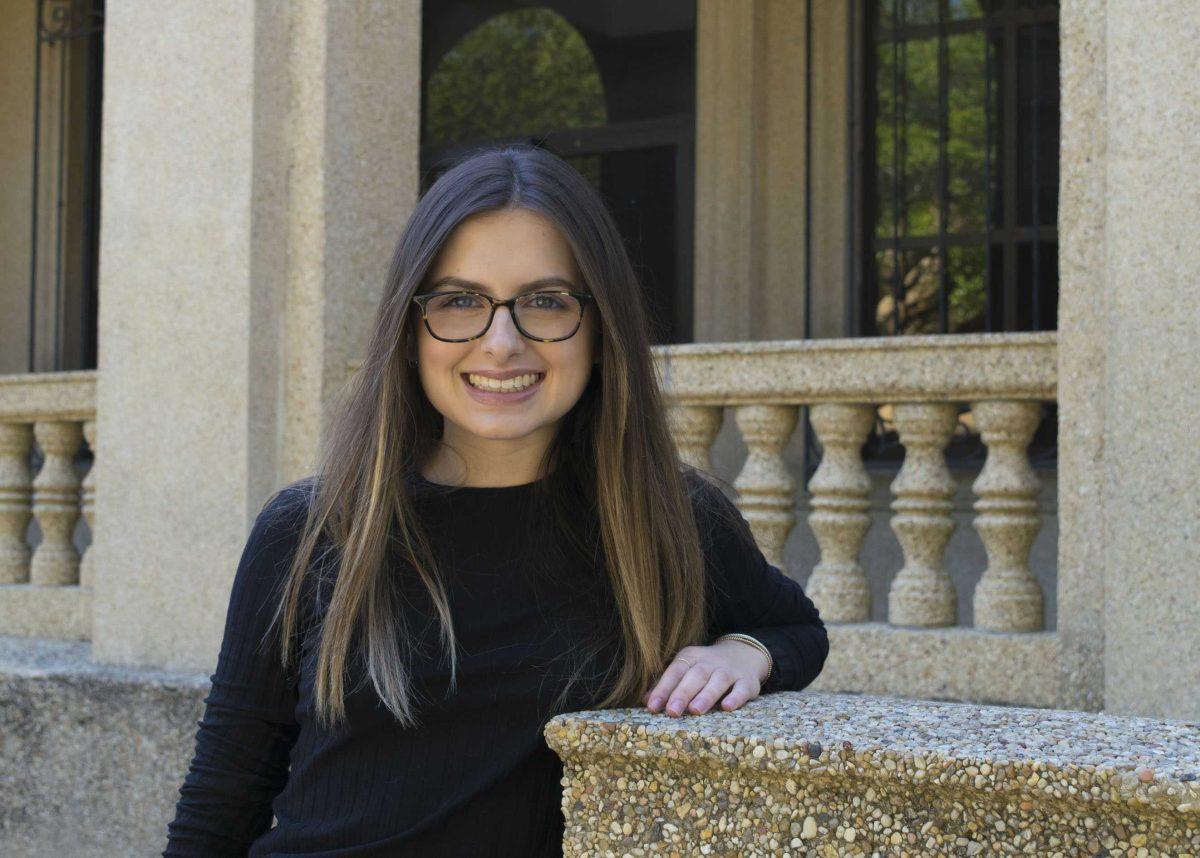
{"points": [[513, 305]]}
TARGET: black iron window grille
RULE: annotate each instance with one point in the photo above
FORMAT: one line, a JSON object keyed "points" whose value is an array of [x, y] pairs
{"points": [[960, 145]]}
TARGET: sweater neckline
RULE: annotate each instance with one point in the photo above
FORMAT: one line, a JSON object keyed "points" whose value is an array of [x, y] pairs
{"points": [[474, 491]]}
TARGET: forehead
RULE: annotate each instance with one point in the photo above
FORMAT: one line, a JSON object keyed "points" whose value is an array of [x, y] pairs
{"points": [[505, 250]]}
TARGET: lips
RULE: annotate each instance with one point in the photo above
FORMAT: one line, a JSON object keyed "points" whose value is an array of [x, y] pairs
{"points": [[492, 397]]}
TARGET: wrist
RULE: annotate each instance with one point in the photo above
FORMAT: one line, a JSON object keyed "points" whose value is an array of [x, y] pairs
{"points": [[766, 662]]}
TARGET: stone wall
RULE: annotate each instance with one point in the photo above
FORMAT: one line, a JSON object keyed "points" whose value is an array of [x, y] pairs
{"points": [[803, 773], [91, 757]]}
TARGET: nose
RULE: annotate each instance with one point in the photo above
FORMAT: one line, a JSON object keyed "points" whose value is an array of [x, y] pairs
{"points": [[502, 338]]}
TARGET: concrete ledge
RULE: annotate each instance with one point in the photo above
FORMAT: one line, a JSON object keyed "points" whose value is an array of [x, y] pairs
{"points": [[935, 367], [91, 756], [953, 663], [828, 774], [32, 396], [31, 610]]}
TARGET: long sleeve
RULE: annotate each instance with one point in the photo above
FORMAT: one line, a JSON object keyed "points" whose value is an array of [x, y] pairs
{"points": [[248, 727], [749, 595]]}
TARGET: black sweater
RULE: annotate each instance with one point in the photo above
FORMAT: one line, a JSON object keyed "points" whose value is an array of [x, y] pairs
{"points": [[476, 778]]}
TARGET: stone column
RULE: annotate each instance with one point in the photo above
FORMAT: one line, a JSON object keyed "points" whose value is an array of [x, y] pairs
{"points": [[749, 267], [259, 161], [751, 64], [1081, 375], [18, 22], [1129, 356]]}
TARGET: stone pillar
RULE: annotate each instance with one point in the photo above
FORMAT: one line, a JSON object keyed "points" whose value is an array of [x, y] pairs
{"points": [[1129, 355], [1081, 373], [17, 27], [749, 266], [259, 161], [751, 64]]}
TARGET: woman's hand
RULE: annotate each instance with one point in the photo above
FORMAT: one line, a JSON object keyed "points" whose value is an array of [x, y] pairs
{"points": [[699, 676]]}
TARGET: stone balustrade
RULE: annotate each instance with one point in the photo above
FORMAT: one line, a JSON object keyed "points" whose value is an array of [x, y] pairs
{"points": [[817, 774], [45, 585], [921, 650]]}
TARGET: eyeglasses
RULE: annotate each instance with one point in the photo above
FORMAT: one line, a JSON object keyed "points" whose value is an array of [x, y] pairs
{"points": [[547, 317]]}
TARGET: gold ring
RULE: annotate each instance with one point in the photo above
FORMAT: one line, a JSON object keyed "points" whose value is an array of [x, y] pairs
{"points": [[684, 660]]}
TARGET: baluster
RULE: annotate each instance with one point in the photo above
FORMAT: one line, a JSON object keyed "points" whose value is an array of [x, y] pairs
{"points": [[56, 504], [922, 594], [694, 428], [839, 519], [766, 491], [1008, 597], [88, 505], [15, 492]]}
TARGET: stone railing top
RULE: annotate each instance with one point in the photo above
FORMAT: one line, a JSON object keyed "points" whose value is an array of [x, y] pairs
{"points": [[954, 367], [1041, 754], [48, 396]]}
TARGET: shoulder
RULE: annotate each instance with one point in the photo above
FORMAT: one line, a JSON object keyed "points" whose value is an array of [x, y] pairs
{"points": [[284, 513], [290, 500], [709, 495], [272, 542], [718, 519], [703, 488]]}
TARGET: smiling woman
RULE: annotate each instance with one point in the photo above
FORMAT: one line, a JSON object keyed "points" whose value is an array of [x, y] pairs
{"points": [[500, 529]]}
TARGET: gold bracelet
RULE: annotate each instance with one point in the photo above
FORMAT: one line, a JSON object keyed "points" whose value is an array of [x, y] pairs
{"points": [[754, 642]]}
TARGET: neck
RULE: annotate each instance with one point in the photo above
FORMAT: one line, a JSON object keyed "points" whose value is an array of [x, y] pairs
{"points": [[486, 463]]}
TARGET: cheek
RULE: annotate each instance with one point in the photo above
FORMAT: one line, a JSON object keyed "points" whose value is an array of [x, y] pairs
{"points": [[574, 372], [435, 360], [433, 353]]}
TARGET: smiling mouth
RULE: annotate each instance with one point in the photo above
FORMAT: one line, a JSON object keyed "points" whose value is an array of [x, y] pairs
{"points": [[518, 384]]}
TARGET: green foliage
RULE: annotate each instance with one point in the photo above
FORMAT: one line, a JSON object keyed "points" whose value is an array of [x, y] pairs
{"points": [[907, 159], [521, 72]]}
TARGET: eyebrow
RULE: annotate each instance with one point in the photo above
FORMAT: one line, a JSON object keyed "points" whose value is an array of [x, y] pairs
{"points": [[540, 283]]}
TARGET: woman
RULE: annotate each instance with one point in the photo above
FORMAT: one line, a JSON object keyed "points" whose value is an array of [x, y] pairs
{"points": [[499, 530]]}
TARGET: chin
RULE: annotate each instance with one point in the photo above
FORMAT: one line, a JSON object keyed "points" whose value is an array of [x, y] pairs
{"points": [[501, 430]]}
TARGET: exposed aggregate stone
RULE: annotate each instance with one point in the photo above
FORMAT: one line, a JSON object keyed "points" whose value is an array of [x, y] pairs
{"points": [[800, 774]]}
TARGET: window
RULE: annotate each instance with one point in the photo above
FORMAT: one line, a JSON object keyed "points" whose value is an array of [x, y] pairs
{"points": [[65, 185], [960, 124], [610, 89]]}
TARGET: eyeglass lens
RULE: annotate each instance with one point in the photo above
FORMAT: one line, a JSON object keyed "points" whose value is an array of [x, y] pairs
{"points": [[461, 315]]}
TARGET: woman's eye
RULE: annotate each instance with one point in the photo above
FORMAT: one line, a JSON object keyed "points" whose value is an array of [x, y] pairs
{"points": [[544, 302], [457, 302]]}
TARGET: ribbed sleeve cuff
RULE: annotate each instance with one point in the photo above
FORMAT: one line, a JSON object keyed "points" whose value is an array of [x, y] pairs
{"points": [[798, 653]]}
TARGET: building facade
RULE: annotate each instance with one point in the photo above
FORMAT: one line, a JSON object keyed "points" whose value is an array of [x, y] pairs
{"points": [[921, 274]]}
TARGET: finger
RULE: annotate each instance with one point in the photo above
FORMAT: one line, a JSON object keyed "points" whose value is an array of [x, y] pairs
{"points": [[657, 696], [718, 683], [692, 682], [742, 691]]}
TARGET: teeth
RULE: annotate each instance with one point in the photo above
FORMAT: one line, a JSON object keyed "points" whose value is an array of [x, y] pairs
{"points": [[519, 383]]}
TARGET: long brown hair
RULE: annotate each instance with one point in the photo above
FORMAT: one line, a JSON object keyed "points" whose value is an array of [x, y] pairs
{"points": [[613, 448]]}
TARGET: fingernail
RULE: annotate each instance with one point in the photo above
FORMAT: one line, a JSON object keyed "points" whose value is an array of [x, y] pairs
{"points": [[655, 702]]}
